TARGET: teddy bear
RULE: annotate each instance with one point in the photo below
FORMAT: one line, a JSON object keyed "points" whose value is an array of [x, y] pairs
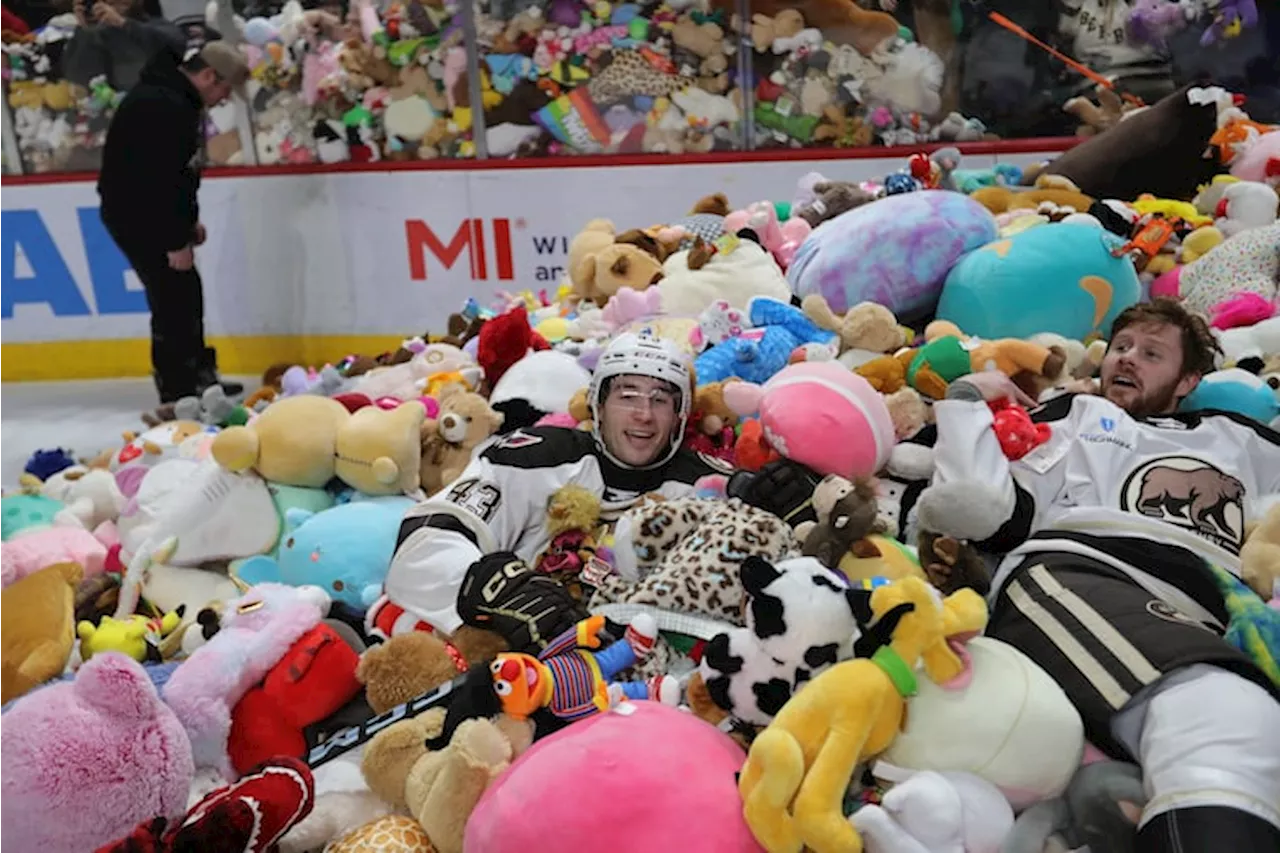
{"points": [[465, 420], [407, 666], [710, 429], [1048, 188], [832, 198], [847, 514], [599, 265], [38, 630], [439, 788], [867, 326], [1260, 556], [1096, 117], [293, 442], [908, 411]]}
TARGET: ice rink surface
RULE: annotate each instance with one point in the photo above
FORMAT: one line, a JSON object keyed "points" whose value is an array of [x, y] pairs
{"points": [[81, 416]]}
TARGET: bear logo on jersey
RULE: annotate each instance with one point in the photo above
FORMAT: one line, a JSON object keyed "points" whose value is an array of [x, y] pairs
{"points": [[1191, 494]]}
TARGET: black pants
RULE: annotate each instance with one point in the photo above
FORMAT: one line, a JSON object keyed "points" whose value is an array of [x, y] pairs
{"points": [[181, 363], [1102, 637]]}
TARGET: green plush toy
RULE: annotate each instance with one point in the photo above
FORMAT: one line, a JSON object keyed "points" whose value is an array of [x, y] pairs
{"points": [[22, 512]]}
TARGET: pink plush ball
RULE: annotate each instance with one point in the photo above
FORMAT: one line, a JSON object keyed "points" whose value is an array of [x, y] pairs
{"points": [[657, 779], [824, 416]]}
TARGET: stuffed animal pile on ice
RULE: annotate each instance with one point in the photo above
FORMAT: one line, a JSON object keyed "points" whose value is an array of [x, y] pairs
{"points": [[186, 610]]}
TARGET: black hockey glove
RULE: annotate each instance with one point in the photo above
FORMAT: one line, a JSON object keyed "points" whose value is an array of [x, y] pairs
{"points": [[783, 487], [529, 610]]}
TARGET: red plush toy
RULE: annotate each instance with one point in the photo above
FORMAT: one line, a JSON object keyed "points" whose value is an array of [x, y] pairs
{"points": [[504, 340], [247, 817], [314, 679], [1018, 434]]}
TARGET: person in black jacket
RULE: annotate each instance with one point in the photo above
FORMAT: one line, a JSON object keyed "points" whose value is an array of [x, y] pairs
{"points": [[148, 184]]}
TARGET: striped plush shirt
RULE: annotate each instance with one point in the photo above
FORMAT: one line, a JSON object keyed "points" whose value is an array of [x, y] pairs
{"points": [[574, 676]]}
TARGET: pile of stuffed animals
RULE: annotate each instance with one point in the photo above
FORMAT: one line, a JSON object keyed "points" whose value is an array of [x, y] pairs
{"points": [[185, 648], [555, 78]]}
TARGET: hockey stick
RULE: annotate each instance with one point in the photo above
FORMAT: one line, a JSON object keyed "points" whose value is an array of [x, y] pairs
{"points": [[347, 739]]}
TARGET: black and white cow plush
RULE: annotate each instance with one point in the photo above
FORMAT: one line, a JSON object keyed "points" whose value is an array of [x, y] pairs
{"points": [[801, 618]]}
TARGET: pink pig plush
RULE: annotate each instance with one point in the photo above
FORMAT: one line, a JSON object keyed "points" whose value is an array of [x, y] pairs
{"points": [[821, 415]]}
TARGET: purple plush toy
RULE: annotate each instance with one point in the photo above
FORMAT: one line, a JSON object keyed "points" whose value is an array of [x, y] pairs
{"points": [[1229, 18], [1151, 22]]}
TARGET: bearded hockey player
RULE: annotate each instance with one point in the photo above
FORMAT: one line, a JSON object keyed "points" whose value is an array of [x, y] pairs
{"points": [[1113, 532]]}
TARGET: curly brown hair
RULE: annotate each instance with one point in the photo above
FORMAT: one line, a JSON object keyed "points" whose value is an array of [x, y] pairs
{"points": [[1199, 346]]}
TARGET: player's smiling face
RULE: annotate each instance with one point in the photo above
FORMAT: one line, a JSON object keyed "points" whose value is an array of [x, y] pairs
{"points": [[1142, 371], [638, 417]]}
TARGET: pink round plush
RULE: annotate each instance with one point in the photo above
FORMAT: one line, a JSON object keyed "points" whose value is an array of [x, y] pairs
{"points": [[824, 416], [86, 761], [657, 779], [1167, 284]]}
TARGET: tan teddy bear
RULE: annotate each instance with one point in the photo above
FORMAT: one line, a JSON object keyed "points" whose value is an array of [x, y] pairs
{"points": [[447, 441], [439, 789], [866, 326]]}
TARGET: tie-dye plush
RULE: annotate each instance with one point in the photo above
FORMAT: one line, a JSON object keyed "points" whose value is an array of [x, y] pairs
{"points": [[896, 251], [1254, 628]]}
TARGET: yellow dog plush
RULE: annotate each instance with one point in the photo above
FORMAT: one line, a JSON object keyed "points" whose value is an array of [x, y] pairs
{"points": [[796, 774]]}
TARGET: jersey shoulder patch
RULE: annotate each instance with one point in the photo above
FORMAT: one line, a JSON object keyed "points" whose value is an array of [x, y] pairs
{"points": [[541, 447]]}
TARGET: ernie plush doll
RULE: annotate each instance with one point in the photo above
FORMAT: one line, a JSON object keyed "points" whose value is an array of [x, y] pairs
{"points": [[573, 677]]}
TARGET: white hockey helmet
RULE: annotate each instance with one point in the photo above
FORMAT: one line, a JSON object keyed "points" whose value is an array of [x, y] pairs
{"points": [[630, 354]]}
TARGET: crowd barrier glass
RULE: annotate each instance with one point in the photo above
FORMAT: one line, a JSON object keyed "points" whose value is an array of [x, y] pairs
{"points": [[370, 80]]}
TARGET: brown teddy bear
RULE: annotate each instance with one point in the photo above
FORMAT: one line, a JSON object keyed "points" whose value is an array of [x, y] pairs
{"points": [[710, 428], [847, 514], [833, 198], [599, 266], [952, 564], [465, 420], [1056, 189], [410, 665], [704, 708], [575, 530]]}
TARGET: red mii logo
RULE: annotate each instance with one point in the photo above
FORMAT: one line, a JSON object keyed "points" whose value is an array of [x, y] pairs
{"points": [[421, 240]]}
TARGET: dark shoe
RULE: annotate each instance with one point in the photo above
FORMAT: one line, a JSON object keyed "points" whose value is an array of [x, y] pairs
{"points": [[207, 374], [231, 389], [172, 390]]}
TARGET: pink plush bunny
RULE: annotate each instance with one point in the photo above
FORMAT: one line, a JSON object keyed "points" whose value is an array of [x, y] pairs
{"points": [[794, 232], [760, 217], [629, 305]]}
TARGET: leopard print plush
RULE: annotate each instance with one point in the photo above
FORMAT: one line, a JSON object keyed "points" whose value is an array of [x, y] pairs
{"points": [[689, 551], [630, 74]]}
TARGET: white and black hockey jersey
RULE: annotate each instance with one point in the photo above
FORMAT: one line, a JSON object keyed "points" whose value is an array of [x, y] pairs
{"points": [[499, 503], [1191, 480]]}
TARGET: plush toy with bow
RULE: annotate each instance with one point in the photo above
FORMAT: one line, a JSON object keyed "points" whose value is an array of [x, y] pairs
{"points": [[574, 556]]}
